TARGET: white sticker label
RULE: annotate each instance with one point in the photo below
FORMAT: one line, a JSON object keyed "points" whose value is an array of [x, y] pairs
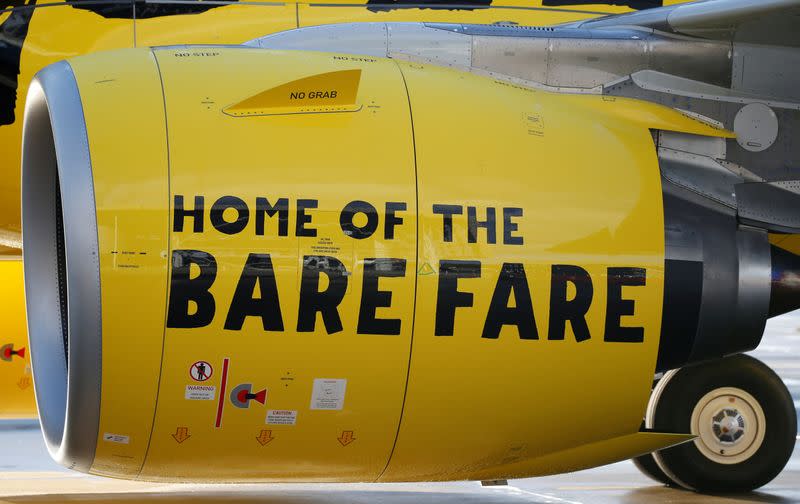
{"points": [[281, 417], [116, 438], [328, 394], [200, 392]]}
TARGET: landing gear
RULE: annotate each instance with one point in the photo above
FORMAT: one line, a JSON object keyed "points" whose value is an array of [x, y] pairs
{"points": [[743, 417]]}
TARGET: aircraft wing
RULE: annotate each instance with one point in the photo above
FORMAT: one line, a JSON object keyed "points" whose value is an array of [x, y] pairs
{"points": [[771, 22], [763, 38]]}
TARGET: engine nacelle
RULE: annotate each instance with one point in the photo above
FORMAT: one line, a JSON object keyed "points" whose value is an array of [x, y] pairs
{"points": [[251, 265]]}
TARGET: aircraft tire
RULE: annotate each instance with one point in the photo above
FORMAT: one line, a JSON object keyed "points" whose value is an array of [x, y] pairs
{"points": [[648, 466], [744, 419]]}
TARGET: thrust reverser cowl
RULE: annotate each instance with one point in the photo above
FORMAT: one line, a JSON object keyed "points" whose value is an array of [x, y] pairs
{"points": [[717, 281], [239, 272]]}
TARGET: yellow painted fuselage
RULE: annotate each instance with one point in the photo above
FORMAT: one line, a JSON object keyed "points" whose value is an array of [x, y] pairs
{"points": [[16, 382]]}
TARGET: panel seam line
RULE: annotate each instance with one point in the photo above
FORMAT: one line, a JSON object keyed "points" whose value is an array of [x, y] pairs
{"points": [[416, 270], [169, 261]]}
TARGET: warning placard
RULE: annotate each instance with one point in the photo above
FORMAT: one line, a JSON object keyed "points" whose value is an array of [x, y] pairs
{"points": [[201, 371], [281, 417], [116, 438], [328, 394], [200, 392]]}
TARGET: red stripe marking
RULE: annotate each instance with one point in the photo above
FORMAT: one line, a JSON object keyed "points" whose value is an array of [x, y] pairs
{"points": [[222, 390]]}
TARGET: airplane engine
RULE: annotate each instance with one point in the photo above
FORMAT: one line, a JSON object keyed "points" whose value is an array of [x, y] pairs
{"points": [[252, 265]]}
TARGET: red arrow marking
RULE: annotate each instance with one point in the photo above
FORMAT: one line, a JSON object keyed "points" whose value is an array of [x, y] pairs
{"points": [[24, 382], [346, 438], [181, 434], [264, 437]]}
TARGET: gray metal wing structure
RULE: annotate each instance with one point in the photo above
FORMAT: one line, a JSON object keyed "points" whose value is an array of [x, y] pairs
{"points": [[771, 22], [760, 101]]}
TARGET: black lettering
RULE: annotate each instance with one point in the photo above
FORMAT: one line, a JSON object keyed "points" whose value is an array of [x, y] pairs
{"points": [[325, 302], [391, 219], [125, 10], [372, 298], [447, 212], [633, 4], [281, 207], [257, 270], [455, 5], [510, 227], [574, 310], [448, 297], [179, 214], [512, 279], [349, 212], [218, 210], [616, 307], [184, 289], [489, 224], [303, 219]]}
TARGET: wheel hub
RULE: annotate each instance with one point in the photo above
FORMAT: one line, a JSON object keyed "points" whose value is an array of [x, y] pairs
{"points": [[729, 424]]}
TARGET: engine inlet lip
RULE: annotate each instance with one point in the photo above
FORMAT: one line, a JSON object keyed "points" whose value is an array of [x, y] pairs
{"points": [[67, 377]]}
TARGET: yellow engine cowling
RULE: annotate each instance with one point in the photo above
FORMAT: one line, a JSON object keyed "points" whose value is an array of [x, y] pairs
{"points": [[303, 266]]}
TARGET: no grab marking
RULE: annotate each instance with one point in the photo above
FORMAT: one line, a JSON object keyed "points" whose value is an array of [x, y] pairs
{"points": [[201, 371]]}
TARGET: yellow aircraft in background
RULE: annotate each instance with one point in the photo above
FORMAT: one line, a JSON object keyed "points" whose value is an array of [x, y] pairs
{"points": [[408, 242], [16, 380]]}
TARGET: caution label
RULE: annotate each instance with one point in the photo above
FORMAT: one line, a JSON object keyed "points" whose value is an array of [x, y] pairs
{"points": [[281, 417], [116, 438], [200, 393], [328, 394]]}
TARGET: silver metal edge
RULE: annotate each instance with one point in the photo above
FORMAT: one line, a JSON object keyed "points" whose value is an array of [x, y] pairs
{"points": [[60, 94], [40, 268]]}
